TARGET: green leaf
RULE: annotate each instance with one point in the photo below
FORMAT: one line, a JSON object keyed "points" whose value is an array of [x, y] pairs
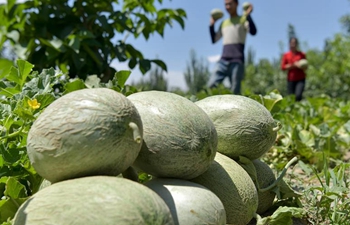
{"points": [[14, 75], [74, 43], [9, 207], [283, 215], [45, 99], [14, 189], [307, 138], [284, 191], [74, 85], [122, 77], [132, 63], [161, 64], [10, 91], [5, 67], [144, 65], [24, 69]]}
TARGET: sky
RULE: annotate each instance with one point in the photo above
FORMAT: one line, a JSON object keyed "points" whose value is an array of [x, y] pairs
{"points": [[314, 22]]}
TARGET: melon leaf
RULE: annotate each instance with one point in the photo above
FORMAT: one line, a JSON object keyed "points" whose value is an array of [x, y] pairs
{"points": [[283, 215]]}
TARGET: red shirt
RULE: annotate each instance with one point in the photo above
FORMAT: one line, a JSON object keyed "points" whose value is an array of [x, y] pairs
{"points": [[294, 74]]}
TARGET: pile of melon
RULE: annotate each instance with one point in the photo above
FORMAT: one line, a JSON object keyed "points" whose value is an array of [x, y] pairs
{"points": [[90, 145]]}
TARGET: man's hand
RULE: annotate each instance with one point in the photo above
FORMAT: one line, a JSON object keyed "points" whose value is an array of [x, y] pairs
{"points": [[249, 10], [212, 21]]}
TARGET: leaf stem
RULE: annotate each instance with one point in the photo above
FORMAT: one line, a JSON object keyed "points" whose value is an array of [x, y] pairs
{"points": [[14, 134], [280, 177]]}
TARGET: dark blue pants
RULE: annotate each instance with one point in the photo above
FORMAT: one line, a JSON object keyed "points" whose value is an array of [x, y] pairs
{"points": [[233, 70], [296, 88]]}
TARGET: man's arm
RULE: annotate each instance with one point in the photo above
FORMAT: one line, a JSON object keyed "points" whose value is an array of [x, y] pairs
{"points": [[252, 27], [212, 33], [215, 36]]}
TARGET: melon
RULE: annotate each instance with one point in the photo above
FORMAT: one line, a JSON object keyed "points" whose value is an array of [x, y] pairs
{"points": [[244, 126], [84, 133], [94, 200], [245, 5], [189, 203], [302, 63], [216, 13], [265, 178], [180, 140], [234, 187], [45, 183]]}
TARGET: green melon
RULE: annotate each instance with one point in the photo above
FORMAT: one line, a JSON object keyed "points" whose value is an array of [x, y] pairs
{"points": [[302, 63], [234, 187], [216, 13], [265, 178], [179, 138], [94, 200], [245, 5], [45, 183], [86, 132], [189, 203], [244, 126]]}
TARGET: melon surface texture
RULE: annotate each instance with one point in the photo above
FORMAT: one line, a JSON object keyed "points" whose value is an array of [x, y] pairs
{"points": [[84, 133], [180, 140], [234, 187], [244, 126], [94, 200], [189, 203]]}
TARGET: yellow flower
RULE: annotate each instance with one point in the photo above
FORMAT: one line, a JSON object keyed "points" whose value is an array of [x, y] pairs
{"points": [[34, 104]]}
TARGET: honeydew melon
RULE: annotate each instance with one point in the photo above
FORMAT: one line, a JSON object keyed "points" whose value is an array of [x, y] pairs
{"points": [[234, 187], [216, 13], [180, 140], [244, 126], [265, 178], [189, 203], [94, 200], [302, 63], [84, 133]]}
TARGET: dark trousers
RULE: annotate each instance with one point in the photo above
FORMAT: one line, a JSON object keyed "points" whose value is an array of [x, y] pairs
{"points": [[296, 88], [233, 70]]}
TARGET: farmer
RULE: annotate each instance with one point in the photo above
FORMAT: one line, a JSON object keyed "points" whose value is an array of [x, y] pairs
{"points": [[296, 75], [234, 31]]}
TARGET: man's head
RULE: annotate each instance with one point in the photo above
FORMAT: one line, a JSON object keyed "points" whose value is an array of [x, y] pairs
{"points": [[293, 44], [231, 6]]}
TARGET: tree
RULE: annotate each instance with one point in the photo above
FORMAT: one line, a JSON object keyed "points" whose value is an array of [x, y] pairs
{"points": [[250, 56], [291, 32], [197, 73], [156, 81], [329, 71], [263, 77], [83, 37]]}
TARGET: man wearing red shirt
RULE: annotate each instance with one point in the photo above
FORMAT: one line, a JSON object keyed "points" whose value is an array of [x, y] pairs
{"points": [[296, 76]]}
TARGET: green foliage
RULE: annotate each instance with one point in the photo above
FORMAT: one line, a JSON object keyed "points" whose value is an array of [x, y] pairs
{"points": [[329, 71], [310, 129], [283, 215], [197, 74], [24, 94], [327, 198], [263, 77], [83, 37]]}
